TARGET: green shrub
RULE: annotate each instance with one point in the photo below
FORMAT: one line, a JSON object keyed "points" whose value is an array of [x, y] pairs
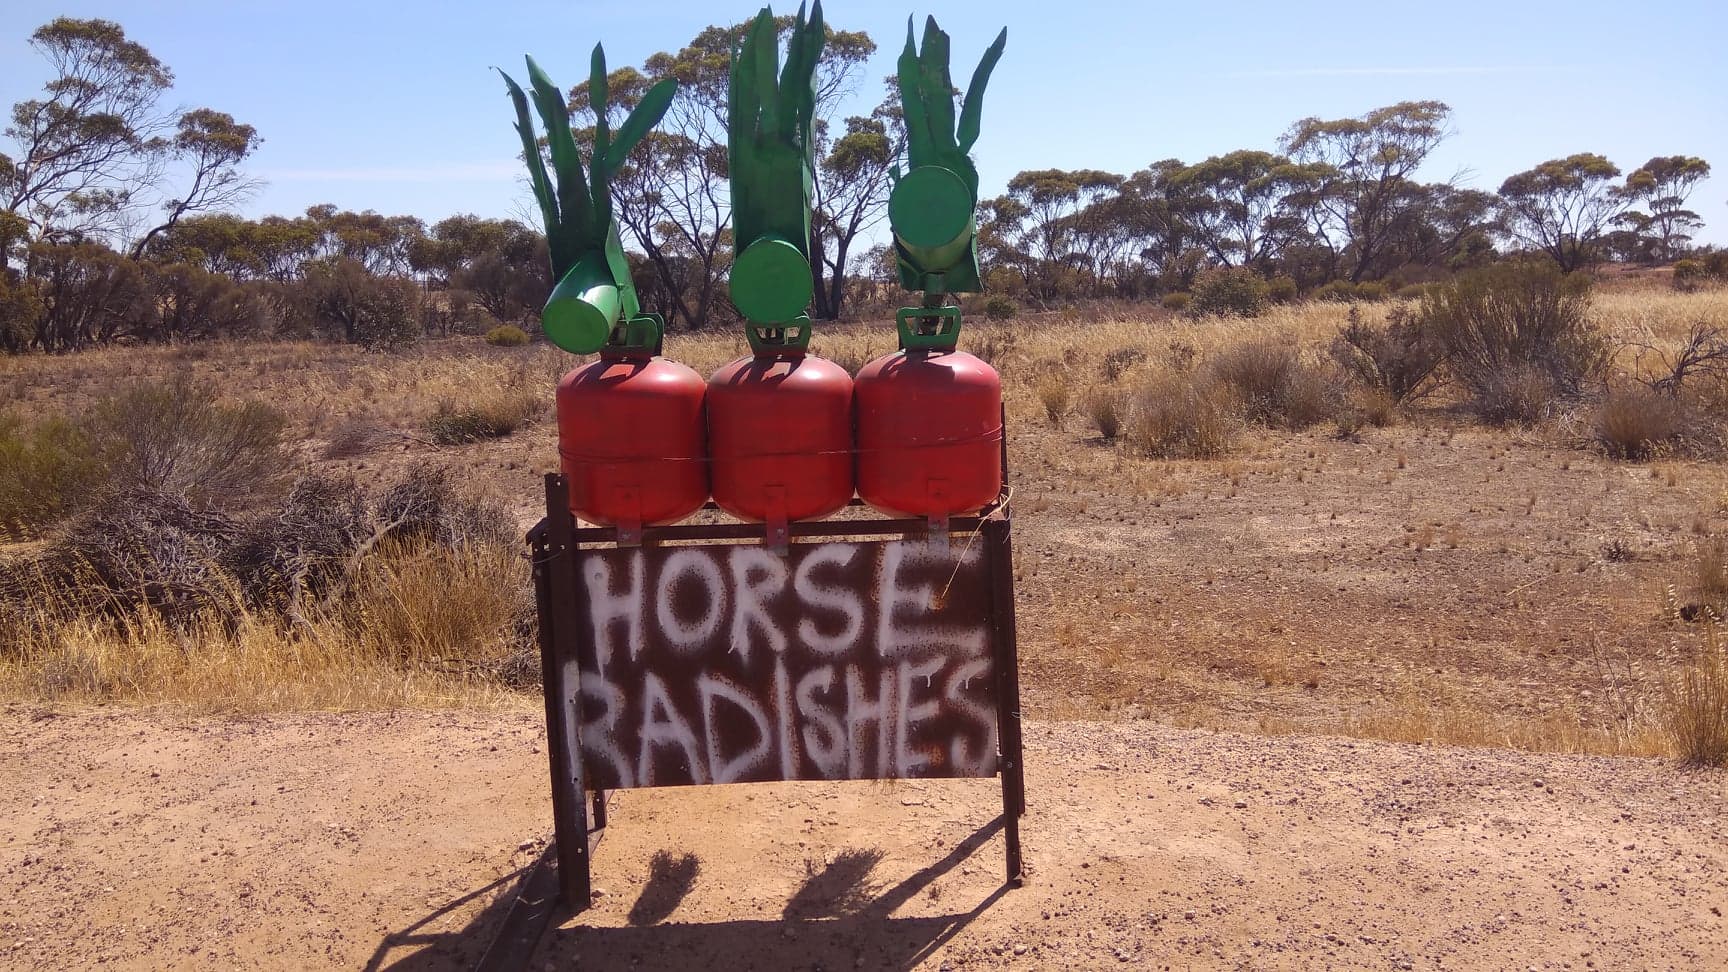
{"points": [[1339, 291], [1689, 274], [20, 313], [1517, 336], [89, 295], [44, 472], [1399, 360], [1415, 291], [1282, 290], [194, 303], [1371, 291], [380, 313], [1177, 301], [491, 417], [1229, 292], [1716, 264], [999, 308], [507, 336]]}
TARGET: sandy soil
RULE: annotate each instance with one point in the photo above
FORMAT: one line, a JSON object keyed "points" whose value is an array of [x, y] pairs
{"points": [[142, 840]]}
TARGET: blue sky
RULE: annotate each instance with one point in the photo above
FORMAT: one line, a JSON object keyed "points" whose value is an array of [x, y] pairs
{"points": [[373, 106]]}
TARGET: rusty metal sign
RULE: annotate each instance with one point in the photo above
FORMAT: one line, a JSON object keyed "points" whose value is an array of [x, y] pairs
{"points": [[831, 661]]}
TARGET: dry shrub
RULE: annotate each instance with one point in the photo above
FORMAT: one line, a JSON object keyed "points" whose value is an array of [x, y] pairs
{"points": [[1514, 394], [1276, 387], [1636, 423], [1119, 360], [302, 559], [1696, 712], [1702, 354], [353, 438], [1709, 579], [1054, 393], [384, 591], [138, 549], [1105, 407], [851, 356], [143, 551], [1399, 360], [492, 417], [1517, 336], [179, 439], [1365, 407], [1180, 416], [168, 440], [1376, 407], [994, 348]]}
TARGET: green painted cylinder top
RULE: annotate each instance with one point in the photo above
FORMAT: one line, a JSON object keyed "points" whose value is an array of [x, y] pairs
{"points": [[770, 282], [931, 212], [583, 308]]}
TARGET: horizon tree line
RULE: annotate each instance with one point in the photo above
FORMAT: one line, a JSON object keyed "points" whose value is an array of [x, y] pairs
{"points": [[117, 217]]}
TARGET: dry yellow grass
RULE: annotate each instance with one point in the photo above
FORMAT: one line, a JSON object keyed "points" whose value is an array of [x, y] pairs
{"points": [[1696, 710], [427, 628], [419, 647]]}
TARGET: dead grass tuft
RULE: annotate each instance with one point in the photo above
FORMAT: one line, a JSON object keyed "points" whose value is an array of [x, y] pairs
{"points": [[1182, 416], [1105, 408], [1638, 424], [1696, 714], [1055, 393], [1276, 386]]}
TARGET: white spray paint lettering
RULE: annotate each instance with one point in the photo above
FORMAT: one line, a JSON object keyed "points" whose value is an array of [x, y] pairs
{"points": [[840, 660]]}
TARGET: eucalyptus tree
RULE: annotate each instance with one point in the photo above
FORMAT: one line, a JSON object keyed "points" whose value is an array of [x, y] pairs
{"points": [[1563, 207], [1662, 186], [1361, 170], [96, 152]]}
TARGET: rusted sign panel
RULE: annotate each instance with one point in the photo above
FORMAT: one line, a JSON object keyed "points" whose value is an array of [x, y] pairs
{"points": [[732, 663]]}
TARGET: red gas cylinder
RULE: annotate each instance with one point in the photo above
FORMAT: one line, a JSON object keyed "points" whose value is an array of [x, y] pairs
{"points": [[630, 439], [780, 436], [929, 432]]}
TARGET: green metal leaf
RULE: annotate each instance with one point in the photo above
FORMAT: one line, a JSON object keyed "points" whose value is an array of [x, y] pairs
{"points": [[598, 99], [920, 146], [938, 86], [574, 204], [556, 239], [762, 50], [642, 120], [798, 80], [972, 107]]}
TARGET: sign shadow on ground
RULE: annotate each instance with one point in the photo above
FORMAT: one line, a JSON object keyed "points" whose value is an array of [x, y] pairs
{"points": [[835, 919]]}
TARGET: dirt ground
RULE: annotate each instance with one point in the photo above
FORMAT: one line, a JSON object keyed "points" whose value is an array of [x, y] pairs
{"points": [[140, 840]]}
